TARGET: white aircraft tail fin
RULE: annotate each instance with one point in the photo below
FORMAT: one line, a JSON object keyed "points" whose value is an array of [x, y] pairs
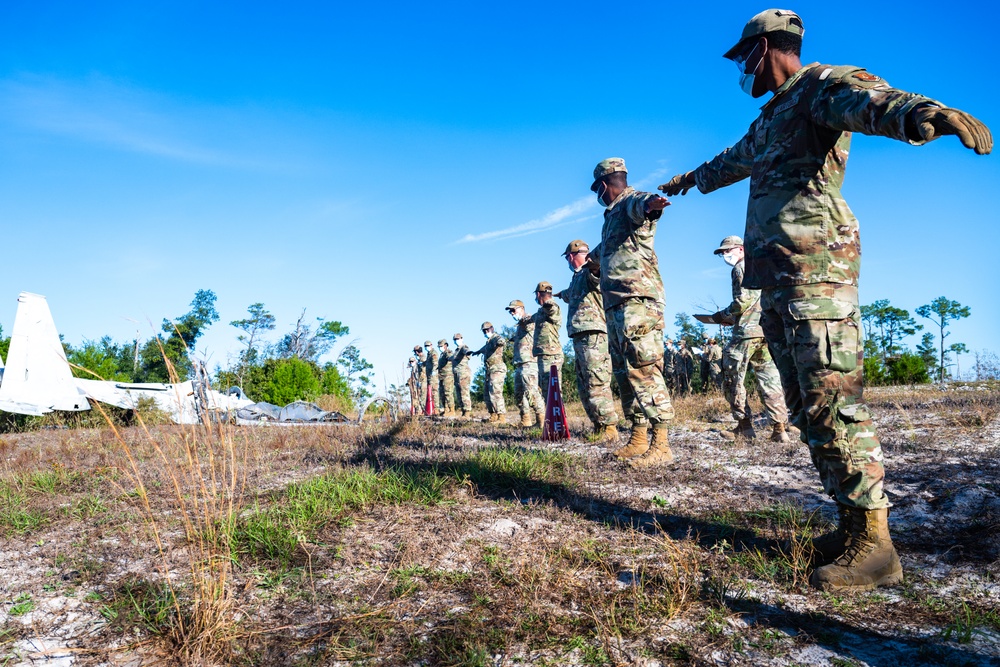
{"points": [[37, 378]]}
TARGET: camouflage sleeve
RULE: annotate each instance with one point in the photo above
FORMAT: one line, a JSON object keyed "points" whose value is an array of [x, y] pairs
{"points": [[852, 100], [636, 209], [551, 310], [730, 166], [743, 299]]}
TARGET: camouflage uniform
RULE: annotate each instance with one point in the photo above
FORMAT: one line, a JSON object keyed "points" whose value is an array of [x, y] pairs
{"points": [[685, 369], [446, 381], [546, 348], [747, 347], [412, 384], [713, 354], [421, 357], [496, 373], [529, 400], [670, 368], [588, 329], [803, 250], [633, 302], [463, 376], [430, 370]]}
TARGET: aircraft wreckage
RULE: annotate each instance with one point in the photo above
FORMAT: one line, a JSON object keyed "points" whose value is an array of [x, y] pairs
{"points": [[38, 380]]}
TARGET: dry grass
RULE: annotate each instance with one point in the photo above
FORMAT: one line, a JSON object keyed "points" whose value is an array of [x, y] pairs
{"points": [[447, 542]]}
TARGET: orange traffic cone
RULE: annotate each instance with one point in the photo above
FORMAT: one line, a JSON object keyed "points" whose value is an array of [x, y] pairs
{"points": [[429, 408], [556, 427]]}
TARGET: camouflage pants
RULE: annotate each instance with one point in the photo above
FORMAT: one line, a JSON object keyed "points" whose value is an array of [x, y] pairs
{"points": [[414, 388], [446, 392], [545, 363], [740, 354], [493, 391], [670, 378], [635, 340], [715, 374], [593, 376], [526, 393], [814, 333], [463, 381], [683, 382]]}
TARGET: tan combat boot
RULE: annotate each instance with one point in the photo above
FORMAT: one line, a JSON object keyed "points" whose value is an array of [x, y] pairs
{"points": [[526, 419], [744, 429], [658, 452], [607, 433], [494, 417], [830, 546], [637, 444], [870, 560], [779, 433], [540, 416]]}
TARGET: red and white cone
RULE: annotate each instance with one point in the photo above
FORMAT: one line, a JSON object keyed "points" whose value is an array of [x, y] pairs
{"points": [[429, 408], [556, 427]]}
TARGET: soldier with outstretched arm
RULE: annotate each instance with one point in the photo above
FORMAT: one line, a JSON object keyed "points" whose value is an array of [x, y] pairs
{"points": [[496, 372], [803, 251]]}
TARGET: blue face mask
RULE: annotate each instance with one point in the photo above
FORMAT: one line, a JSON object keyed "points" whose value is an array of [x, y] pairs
{"points": [[602, 190], [747, 79]]}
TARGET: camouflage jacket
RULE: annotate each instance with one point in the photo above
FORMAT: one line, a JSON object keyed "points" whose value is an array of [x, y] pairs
{"points": [[669, 360], [584, 304], [444, 361], [685, 361], [548, 321], [493, 352], [629, 267], [523, 340], [745, 308], [430, 364], [713, 354], [799, 229], [460, 360]]}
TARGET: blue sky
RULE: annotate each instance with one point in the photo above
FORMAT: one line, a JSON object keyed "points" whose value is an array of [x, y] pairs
{"points": [[408, 169]]}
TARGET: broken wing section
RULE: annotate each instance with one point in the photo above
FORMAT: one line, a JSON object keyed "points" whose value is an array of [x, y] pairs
{"points": [[37, 379]]}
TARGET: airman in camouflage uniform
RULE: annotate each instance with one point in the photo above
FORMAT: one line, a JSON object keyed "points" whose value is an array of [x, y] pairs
{"points": [[413, 385], [633, 302], [670, 365], [431, 369], [529, 400], [714, 355], [747, 348], [463, 374], [547, 348], [587, 327], [421, 356], [704, 373], [446, 381], [803, 251], [685, 367], [496, 372]]}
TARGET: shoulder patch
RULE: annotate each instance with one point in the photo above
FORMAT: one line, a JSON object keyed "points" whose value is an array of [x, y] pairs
{"points": [[866, 76]]}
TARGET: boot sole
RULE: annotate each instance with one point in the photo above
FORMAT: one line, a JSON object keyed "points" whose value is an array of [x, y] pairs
{"points": [[891, 579]]}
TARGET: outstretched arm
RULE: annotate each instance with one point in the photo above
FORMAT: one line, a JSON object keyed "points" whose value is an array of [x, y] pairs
{"points": [[730, 166]]}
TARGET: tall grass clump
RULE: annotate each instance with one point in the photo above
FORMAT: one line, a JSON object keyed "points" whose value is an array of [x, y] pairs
{"points": [[202, 468]]}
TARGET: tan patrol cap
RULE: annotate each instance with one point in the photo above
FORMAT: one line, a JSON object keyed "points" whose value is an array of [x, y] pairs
{"points": [[443, 342], [729, 243], [607, 166], [486, 325], [456, 336], [412, 360], [516, 303], [769, 20], [544, 287], [575, 246], [417, 348], [427, 342]]}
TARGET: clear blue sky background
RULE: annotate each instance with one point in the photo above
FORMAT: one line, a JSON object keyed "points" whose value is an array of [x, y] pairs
{"points": [[409, 168]]}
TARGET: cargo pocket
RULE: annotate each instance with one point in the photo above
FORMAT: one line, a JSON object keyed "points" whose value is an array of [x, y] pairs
{"points": [[826, 335], [643, 332]]}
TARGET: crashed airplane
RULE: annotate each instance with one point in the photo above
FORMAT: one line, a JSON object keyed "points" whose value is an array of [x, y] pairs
{"points": [[38, 380]]}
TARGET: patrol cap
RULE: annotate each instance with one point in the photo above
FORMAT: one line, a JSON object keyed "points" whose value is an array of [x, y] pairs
{"points": [[607, 166], [711, 340], [417, 348], [427, 342], [456, 336], [769, 20], [516, 303], [443, 342], [544, 287], [412, 360], [576, 246], [729, 243], [704, 335], [486, 325]]}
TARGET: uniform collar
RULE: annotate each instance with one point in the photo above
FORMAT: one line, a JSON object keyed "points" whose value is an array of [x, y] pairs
{"points": [[627, 191], [789, 82]]}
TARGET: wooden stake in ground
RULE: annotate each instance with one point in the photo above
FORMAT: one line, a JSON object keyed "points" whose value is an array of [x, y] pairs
{"points": [[556, 427]]}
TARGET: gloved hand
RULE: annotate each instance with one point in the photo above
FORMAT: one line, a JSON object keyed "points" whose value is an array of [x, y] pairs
{"points": [[934, 122], [680, 183]]}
